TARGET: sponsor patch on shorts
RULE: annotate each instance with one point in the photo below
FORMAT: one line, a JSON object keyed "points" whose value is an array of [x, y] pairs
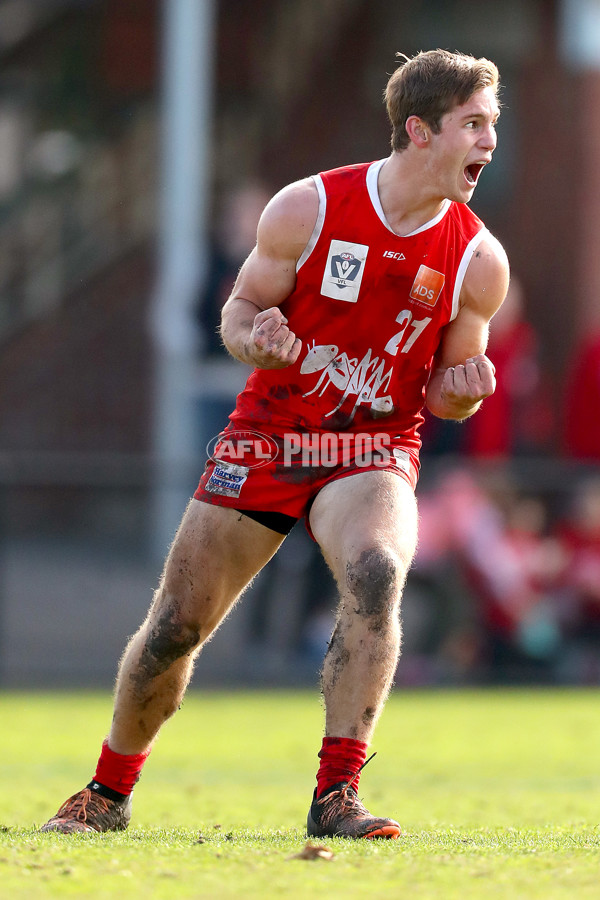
{"points": [[227, 479], [403, 460]]}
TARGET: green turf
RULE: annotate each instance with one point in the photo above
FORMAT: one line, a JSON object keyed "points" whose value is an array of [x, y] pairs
{"points": [[498, 793]]}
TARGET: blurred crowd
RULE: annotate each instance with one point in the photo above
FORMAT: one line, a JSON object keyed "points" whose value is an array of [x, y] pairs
{"points": [[526, 567]]}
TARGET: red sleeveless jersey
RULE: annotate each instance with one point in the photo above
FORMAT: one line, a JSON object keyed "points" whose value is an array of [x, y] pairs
{"points": [[369, 307]]}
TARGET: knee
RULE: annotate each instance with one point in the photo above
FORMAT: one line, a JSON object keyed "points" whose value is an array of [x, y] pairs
{"points": [[170, 633], [374, 578]]}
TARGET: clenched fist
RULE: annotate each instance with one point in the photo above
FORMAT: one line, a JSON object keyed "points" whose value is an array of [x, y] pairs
{"points": [[467, 384], [271, 344]]}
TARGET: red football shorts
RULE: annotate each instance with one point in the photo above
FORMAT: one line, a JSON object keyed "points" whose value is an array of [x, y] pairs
{"points": [[253, 470]]}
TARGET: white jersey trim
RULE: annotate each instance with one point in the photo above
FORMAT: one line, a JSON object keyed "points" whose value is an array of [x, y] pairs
{"points": [[462, 269], [372, 176], [316, 232], [445, 207]]}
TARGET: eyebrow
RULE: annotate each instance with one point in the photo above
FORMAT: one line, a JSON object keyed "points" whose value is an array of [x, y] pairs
{"points": [[480, 115]]}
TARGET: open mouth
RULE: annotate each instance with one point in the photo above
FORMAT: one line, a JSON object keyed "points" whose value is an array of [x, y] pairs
{"points": [[473, 172]]}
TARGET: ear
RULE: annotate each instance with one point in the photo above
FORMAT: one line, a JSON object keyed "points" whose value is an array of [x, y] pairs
{"points": [[418, 131]]}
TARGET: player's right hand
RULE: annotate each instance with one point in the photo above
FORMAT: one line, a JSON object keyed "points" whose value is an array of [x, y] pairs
{"points": [[272, 345]]}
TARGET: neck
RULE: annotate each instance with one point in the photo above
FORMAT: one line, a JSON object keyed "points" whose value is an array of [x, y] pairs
{"points": [[407, 199]]}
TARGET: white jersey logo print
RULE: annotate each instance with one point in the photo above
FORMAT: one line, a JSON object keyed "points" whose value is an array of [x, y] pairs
{"points": [[366, 380]]}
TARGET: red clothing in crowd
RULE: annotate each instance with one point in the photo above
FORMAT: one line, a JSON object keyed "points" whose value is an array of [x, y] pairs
{"points": [[582, 403]]}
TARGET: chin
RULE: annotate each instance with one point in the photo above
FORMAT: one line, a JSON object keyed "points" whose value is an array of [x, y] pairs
{"points": [[460, 196], [464, 196]]}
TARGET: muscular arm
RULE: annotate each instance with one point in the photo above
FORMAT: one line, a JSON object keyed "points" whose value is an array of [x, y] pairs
{"points": [[253, 328], [462, 376]]}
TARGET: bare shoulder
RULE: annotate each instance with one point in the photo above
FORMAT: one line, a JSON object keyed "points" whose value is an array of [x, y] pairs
{"points": [[289, 218], [487, 277]]}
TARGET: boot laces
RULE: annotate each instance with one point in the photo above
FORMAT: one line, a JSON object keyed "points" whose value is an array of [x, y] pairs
{"points": [[77, 806]]}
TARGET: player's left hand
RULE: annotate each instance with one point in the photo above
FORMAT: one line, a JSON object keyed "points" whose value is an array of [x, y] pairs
{"points": [[467, 384]]}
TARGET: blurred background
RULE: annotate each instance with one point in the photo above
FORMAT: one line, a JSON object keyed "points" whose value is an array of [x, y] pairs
{"points": [[139, 141]]}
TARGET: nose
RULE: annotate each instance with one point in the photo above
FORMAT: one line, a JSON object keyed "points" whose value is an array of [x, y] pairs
{"points": [[489, 138]]}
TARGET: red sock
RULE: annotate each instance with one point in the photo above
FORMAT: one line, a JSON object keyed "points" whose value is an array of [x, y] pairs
{"points": [[118, 771], [341, 758]]}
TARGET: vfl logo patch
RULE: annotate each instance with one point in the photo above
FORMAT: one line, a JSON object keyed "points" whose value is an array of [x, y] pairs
{"points": [[344, 271], [427, 286]]}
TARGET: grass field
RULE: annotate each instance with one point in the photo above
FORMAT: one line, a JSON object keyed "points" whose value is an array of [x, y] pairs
{"points": [[498, 793]]}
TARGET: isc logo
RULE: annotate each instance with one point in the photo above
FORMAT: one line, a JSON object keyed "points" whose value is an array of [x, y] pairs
{"points": [[427, 286]]}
